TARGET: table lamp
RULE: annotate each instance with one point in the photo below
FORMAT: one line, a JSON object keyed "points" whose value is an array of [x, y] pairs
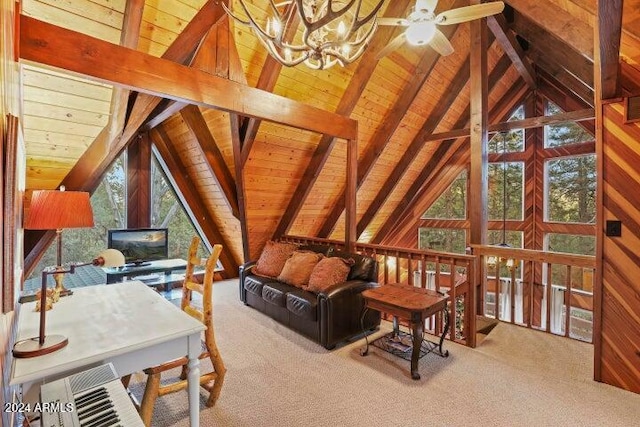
{"points": [[55, 210], [40, 345]]}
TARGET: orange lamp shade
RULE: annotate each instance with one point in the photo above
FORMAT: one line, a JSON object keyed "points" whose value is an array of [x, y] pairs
{"points": [[55, 210]]}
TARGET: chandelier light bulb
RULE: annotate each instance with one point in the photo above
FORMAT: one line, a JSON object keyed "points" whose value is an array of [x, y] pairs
{"points": [[420, 33], [274, 27], [342, 29], [346, 49]]}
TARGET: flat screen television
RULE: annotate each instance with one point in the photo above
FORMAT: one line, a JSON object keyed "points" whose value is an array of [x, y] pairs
{"points": [[140, 245]]}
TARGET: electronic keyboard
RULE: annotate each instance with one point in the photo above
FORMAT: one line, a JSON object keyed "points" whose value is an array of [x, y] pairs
{"points": [[92, 398]]}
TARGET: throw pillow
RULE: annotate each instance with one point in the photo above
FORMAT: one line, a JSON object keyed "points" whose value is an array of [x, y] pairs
{"points": [[297, 269], [273, 257], [329, 272]]}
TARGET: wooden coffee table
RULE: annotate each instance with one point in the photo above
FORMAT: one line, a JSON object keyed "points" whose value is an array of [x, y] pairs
{"points": [[412, 304]]}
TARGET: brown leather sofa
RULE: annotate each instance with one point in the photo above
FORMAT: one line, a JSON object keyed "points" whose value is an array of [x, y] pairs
{"points": [[328, 317]]}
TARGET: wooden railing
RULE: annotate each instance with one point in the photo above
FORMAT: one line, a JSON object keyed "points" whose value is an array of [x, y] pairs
{"points": [[452, 273], [547, 291]]}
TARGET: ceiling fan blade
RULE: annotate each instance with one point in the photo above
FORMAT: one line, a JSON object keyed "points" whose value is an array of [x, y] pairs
{"points": [[393, 45], [440, 43], [393, 21], [468, 13]]}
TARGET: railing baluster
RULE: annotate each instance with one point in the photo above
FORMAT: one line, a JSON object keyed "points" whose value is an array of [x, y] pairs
{"points": [[530, 292], [549, 290], [567, 302], [513, 289]]}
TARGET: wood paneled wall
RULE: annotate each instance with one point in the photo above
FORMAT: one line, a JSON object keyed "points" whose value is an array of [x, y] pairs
{"points": [[617, 352]]}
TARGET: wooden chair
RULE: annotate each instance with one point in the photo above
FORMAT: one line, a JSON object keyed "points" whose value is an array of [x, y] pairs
{"points": [[211, 381]]}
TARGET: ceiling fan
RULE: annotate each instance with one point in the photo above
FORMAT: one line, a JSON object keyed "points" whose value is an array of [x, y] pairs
{"points": [[422, 24]]}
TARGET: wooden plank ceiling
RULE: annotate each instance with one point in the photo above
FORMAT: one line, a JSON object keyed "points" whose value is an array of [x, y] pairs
{"points": [[294, 179]]}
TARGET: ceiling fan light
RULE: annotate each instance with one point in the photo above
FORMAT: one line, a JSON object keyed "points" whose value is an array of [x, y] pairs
{"points": [[420, 33]]}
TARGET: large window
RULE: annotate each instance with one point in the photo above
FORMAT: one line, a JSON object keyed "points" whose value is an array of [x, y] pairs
{"points": [[571, 192], [506, 188], [442, 239], [167, 211], [564, 133]]}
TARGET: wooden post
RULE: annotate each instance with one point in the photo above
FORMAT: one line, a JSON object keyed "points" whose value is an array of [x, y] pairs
{"points": [[350, 195], [478, 174]]}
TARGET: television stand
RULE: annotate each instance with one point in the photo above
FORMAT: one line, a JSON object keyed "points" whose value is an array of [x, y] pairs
{"points": [[166, 266]]}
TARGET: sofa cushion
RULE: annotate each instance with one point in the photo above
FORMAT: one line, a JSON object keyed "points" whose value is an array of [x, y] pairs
{"points": [[298, 268], [363, 268], [253, 283], [273, 257], [303, 304], [276, 293], [329, 272]]}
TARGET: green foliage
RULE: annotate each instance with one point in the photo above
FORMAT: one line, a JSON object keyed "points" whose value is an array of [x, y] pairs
{"points": [[571, 195], [564, 133], [442, 239], [452, 203], [511, 173]]}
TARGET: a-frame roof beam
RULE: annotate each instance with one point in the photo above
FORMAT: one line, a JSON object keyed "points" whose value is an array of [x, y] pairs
{"points": [[503, 34], [531, 122], [180, 177], [576, 34], [447, 99], [59, 47], [554, 49], [609, 31], [555, 92], [214, 159], [366, 66], [389, 125], [565, 78]]}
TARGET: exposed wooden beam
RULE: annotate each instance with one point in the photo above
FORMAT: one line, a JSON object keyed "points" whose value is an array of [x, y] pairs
{"points": [[139, 183], [350, 195], [172, 108], [554, 19], [532, 122], [215, 161], [389, 125], [503, 34], [59, 47], [236, 142], [349, 100], [563, 77], [184, 186], [128, 38], [88, 171], [478, 121], [554, 49], [553, 91], [445, 102], [607, 58]]}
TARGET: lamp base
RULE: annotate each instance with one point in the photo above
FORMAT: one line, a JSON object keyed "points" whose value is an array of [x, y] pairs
{"points": [[31, 347]]}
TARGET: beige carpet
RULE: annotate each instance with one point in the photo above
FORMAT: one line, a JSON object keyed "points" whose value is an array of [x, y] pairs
{"points": [[516, 377]]}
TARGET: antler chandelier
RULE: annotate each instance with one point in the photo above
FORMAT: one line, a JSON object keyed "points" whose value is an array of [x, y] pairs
{"points": [[334, 32]]}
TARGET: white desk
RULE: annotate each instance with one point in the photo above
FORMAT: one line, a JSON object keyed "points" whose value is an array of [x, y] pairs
{"points": [[127, 324]]}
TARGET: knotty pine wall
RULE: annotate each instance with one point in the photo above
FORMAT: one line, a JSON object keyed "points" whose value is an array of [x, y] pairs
{"points": [[617, 349]]}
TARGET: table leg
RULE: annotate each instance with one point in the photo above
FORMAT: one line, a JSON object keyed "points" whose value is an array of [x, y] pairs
{"points": [[193, 378], [365, 350], [417, 329], [445, 313]]}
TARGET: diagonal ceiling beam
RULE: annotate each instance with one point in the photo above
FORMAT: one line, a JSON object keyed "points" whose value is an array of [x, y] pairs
{"points": [[565, 78], [442, 152], [366, 66], [389, 125], [503, 34], [547, 14], [554, 49], [445, 102], [607, 58], [214, 159], [179, 177]]}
